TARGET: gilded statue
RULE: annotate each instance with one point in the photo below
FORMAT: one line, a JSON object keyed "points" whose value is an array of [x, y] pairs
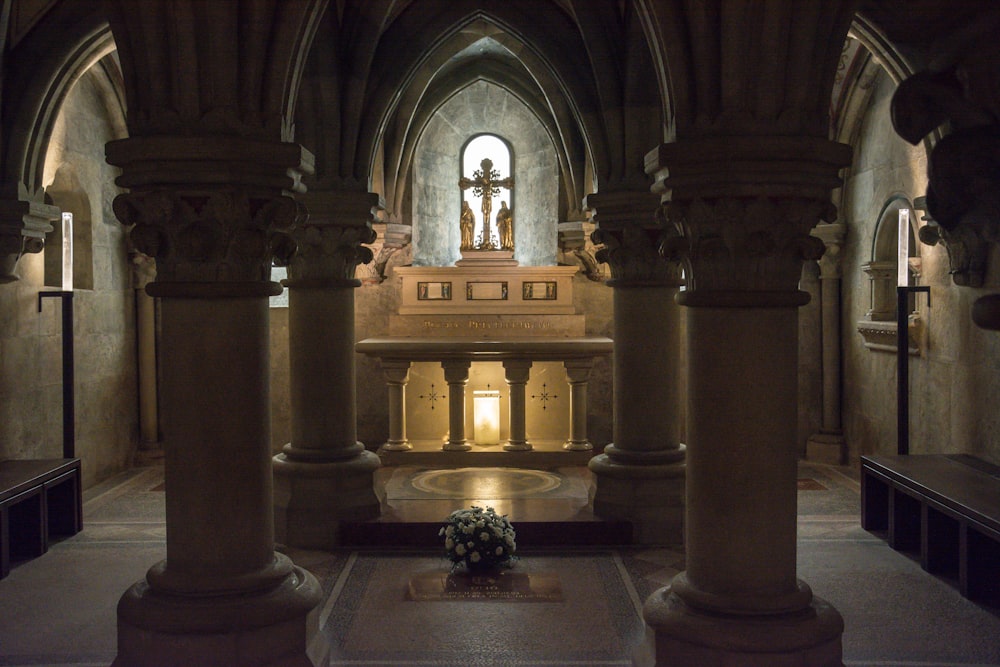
{"points": [[485, 183], [505, 227], [467, 224]]}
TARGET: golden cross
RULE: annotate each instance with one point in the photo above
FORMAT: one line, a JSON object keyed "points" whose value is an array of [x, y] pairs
{"points": [[485, 183]]}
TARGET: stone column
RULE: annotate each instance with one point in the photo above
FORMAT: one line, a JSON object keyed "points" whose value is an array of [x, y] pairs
{"points": [[456, 374], [324, 475], [577, 376], [739, 598], [640, 476], [145, 332], [222, 592], [211, 174], [827, 446], [516, 372], [397, 374], [748, 173]]}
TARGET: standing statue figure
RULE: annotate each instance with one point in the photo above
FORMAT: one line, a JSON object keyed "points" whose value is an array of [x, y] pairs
{"points": [[485, 183], [467, 223], [505, 227]]}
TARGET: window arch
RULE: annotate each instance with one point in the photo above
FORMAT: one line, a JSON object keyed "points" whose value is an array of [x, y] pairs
{"points": [[498, 151]]}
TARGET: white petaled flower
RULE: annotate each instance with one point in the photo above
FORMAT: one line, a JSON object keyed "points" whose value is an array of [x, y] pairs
{"points": [[478, 536]]}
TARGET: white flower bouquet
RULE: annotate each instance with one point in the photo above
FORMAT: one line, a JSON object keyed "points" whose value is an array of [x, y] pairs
{"points": [[480, 538]]}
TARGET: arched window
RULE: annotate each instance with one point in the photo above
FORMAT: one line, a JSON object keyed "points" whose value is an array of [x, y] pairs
{"points": [[479, 149]]}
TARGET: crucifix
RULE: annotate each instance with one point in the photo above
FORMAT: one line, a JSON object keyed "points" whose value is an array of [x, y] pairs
{"points": [[485, 183]]}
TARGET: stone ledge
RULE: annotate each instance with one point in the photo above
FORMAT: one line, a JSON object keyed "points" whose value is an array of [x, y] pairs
{"points": [[882, 336]]}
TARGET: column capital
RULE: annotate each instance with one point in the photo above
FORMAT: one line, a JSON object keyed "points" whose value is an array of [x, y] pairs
{"points": [[638, 244], [330, 241], [578, 370], [517, 370], [213, 211], [23, 226], [396, 371], [745, 207], [456, 371]]}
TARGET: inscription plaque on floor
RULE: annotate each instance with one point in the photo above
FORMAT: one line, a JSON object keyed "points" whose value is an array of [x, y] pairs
{"points": [[505, 586]]}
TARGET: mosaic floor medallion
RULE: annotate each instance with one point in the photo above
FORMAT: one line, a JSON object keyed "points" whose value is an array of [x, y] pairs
{"points": [[486, 482]]}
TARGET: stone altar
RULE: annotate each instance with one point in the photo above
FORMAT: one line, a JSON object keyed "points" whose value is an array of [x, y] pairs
{"points": [[487, 310]]}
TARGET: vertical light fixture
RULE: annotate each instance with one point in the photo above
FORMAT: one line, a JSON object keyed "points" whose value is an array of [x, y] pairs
{"points": [[67, 251], [486, 415], [903, 249]]}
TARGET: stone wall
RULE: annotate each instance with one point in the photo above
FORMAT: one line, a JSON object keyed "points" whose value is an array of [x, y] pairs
{"points": [[104, 307], [954, 384], [480, 108]]}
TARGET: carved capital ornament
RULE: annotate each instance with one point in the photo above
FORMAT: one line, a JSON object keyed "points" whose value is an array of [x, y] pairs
{"points": [[329, 254], [747, 250], [221, 235], [632, 251]]}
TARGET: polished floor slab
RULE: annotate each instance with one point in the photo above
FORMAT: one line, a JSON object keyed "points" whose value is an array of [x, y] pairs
{"points": [[59, 609]]}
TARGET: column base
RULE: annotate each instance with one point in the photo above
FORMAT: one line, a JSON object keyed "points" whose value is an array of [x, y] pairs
{"points": [[522, 446], [456, 446], [397, 446], [826, 448], [311, 499], [651, 497], [687, 637], [269, 629], [578, 446]]}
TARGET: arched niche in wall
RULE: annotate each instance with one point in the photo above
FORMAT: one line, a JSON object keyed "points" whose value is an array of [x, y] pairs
{"points": [[484, 108], [879, 327]]}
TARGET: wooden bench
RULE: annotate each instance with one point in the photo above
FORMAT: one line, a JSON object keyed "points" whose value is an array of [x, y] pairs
{"points": [[39, 499], [944, 507]]}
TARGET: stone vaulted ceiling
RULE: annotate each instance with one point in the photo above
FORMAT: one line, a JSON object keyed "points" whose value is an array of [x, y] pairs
{"points": [[379, 70]]}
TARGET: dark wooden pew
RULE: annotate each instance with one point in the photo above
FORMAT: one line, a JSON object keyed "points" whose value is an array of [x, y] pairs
{"points": [[944, 507], [39, 499]]}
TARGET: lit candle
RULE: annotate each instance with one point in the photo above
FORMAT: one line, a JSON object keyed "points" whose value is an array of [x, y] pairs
{"points": [[67, 252], [486, 408], [903, 249]]}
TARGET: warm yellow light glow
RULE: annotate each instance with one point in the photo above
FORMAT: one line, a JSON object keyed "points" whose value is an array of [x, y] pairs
{"points": [[486, 411]]}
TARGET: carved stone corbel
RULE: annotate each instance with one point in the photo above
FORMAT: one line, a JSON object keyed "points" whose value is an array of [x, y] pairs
{"points": [[23, 226], [963, 169], [967, 249]]}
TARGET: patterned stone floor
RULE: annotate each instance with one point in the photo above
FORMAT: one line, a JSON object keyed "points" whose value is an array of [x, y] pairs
{"points": [[59, 610]]}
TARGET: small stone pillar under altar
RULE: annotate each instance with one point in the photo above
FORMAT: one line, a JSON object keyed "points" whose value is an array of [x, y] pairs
{"points": [[487, 325]]}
